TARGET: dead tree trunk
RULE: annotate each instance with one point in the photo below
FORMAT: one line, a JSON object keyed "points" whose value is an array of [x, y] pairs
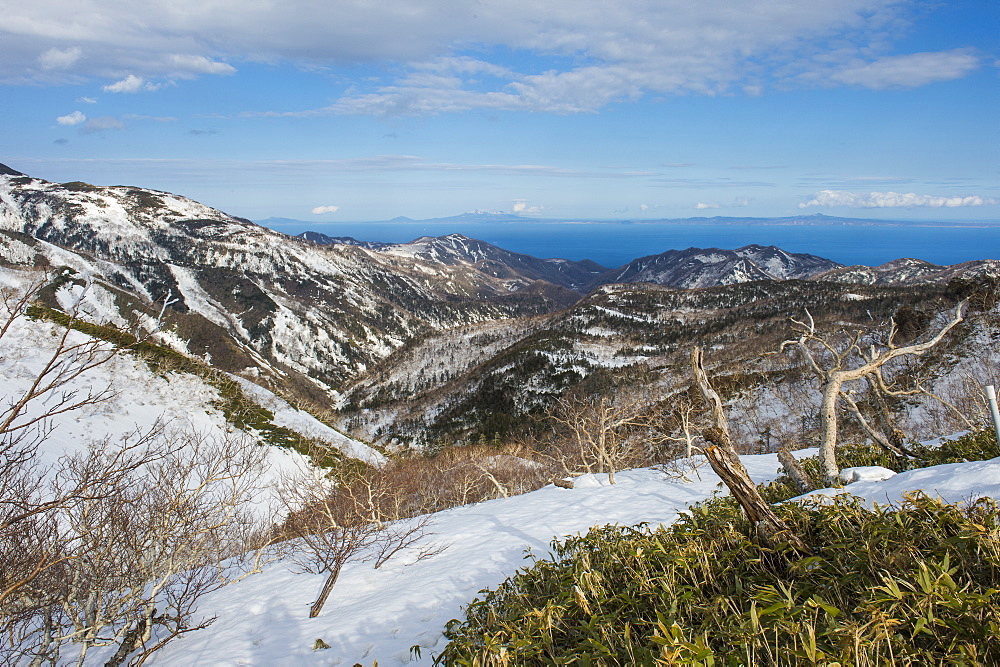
{"points": [[794, 470], [726, 463]]}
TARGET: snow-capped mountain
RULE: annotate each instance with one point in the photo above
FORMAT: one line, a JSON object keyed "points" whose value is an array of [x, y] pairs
{"points": [[456, 249], [689, 268], [686, 269], [908, 271], [696, 267], [441, 337], [281, 305]]}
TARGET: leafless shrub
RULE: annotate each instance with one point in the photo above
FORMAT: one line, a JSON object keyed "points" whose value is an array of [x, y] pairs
{"points": [[602, 434], [683, 469], [113, 546], [347, 516], [29, 497], [463, 475], [130, 559]]}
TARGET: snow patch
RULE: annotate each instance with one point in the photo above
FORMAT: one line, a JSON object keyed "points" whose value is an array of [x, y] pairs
{"points": [[865, 474], [302, 422]]}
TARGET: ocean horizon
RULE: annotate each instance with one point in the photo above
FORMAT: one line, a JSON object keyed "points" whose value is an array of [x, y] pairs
{"points": [[613, 244]]}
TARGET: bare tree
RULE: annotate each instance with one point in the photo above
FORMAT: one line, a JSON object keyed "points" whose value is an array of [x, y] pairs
{"points": [[175, 530], [347, 516], [113, 546], [604, 434], [132, 557], [373, 497], [28, 496], [836, 365], [683, 420], [722, 456]]}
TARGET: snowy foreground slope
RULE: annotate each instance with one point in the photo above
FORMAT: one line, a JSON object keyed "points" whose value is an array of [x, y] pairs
{"points": [[132, 398], [380, 614]]}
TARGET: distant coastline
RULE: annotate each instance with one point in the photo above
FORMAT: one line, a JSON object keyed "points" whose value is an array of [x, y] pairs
{"points": [[847, 241], [488, 217]]}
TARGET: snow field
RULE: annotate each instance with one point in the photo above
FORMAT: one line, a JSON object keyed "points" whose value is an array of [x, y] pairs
{"points": [[380, 614], [136, 400]]}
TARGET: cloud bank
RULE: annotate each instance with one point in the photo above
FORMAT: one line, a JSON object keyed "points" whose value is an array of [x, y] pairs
{"points": [[453, 55], [521, 207], [909, 71], [832, 198]]}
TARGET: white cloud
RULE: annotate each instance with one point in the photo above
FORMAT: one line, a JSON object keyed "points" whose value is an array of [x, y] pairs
{"points": [[320, 210], [593, 52], [702, 206], [521, 206], [832, 198], [911, 70], [643, 207], [55, 59], [189, 65], [86, 100], [74, 118], [130, 84]]}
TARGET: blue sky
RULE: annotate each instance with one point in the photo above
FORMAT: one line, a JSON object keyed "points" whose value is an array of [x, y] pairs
{"points": [[592, 109]]}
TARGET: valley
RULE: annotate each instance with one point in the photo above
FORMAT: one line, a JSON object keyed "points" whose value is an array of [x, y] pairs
{"points": [[402, 404], [450, 340]]}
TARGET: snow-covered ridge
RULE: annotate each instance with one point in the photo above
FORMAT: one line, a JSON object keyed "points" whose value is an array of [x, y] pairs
{"points": [[696, 267], [325, 312], [304, 423], [380, 614], [137, 398], [909, 271]]}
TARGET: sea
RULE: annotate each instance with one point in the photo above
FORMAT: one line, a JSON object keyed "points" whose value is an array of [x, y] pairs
{"points": [[613, 244]]}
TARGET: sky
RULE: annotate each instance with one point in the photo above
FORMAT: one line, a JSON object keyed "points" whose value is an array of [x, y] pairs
{"points": [[634, 109]]}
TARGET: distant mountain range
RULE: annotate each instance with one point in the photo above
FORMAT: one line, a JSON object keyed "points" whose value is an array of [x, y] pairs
{"points": [[332, 319], [497, 217], [685, 269]]}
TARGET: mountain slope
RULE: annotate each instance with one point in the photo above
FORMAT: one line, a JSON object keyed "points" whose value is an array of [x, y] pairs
{"points": [[396, 615], [485, 380], [323, 312], [454, 249], [129, 396], [908, 271], [696, 267]]}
